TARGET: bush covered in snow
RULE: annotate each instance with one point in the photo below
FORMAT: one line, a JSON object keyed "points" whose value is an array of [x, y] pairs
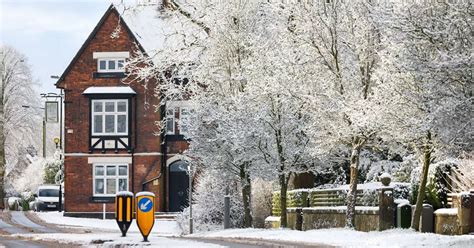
{"points": [[439, 183], [208, 203], [52, 169], [261, 201]]}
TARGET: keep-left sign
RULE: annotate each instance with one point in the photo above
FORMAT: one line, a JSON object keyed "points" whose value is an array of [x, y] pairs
{"points": [[145, 202]]}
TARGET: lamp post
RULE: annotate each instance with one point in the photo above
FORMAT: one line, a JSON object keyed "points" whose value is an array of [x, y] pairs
{"points": [[60, 141], [190, 196]]}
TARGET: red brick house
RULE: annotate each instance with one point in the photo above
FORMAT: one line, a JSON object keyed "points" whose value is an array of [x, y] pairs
{"points": [[110, 141]]}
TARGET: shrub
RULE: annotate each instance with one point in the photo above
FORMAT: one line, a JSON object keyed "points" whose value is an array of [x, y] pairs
{"points": [[261, 201], [208, 203]]}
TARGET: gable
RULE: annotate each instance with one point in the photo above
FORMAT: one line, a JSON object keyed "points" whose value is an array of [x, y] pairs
{"points": [[111, 34]]}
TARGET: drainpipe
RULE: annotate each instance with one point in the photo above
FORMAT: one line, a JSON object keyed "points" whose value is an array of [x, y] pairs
{"points": [[164, 158], [134, 142]]}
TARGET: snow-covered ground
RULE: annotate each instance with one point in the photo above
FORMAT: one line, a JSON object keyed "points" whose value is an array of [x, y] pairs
{"points": [[164, 230], [161, 227], [115, 240], [348, 238], [106, 233]]}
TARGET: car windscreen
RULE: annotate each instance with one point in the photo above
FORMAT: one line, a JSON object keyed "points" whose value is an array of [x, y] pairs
{"points": [[49, 192]]}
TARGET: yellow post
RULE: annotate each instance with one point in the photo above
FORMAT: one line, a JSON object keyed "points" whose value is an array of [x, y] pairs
{"points": [[145, 213], [124, 210]]}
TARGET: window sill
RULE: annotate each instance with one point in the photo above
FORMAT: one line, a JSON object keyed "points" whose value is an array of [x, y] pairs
{"points": [[108, 75], [102, 199]]}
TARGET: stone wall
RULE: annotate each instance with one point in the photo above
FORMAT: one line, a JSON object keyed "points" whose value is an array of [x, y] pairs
{"points": [[330, 217]]}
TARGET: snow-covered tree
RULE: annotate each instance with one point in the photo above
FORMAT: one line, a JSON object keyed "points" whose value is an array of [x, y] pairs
{"points": [[29, 179], [428, 54], [17, 125], [339, 44]]}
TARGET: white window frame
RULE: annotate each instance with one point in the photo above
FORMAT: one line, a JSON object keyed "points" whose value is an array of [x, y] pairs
{"points": [[105, 177], [115, 114], [181, 119], [116, 60], [168, 116]]}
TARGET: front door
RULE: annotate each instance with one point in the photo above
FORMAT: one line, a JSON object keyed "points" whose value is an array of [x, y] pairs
{"points": [[179, 184]]}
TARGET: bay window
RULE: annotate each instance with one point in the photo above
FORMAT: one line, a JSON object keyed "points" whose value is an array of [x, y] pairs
{"points": [[110, 117]]}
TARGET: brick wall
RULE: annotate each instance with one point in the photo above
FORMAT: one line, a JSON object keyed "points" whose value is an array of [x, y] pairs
{"points": [[80, 77]]}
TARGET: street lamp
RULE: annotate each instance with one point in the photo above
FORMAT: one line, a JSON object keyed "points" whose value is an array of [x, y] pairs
{"points": [[61, 147]]}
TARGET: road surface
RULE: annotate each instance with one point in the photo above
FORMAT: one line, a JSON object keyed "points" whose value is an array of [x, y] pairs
{"points": [[16, 222]]}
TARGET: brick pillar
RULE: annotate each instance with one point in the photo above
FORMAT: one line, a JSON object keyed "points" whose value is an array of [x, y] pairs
{"points": [[386, 209], [463, 203]]}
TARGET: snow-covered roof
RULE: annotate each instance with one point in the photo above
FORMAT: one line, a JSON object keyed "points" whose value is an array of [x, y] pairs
{"points": [[109, 90]]}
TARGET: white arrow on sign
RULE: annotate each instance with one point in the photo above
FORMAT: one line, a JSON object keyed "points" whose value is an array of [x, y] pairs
{"points": [[144, 205]]}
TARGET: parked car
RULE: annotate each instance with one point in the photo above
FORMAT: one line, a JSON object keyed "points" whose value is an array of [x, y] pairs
{"points": [[47, 198]]}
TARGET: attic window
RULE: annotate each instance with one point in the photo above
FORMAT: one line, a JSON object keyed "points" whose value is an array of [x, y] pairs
{"points": [[111, 65], [110, 61]]}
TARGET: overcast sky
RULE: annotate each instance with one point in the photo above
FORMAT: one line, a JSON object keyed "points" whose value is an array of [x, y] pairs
{"points": [[48, 32]]}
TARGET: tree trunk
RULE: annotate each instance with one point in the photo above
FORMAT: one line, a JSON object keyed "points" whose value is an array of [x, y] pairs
{"points": [[246, 194], [415, 223], [283, 189], [352, 195]]}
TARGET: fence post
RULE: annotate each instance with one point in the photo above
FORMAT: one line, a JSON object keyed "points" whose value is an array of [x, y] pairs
{"points": [[386, 209]]}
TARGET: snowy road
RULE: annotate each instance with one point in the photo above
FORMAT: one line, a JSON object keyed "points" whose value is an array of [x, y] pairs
{"points": [[18, 217], [18, 243], [19, 228], [5, 227]]}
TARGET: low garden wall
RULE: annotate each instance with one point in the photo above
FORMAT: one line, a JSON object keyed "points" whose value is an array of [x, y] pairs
{"points": [[455, 220], [326, 208], [366, 218]]}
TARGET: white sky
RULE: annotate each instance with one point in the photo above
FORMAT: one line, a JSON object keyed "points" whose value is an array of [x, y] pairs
{"points": [[48, 32]]}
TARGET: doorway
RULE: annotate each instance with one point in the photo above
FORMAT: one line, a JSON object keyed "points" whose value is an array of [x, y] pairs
{"points": [[178, 186]]}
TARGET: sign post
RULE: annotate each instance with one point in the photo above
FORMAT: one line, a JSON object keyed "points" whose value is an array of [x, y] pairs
{"points": [[124, 210], [145, 213]]}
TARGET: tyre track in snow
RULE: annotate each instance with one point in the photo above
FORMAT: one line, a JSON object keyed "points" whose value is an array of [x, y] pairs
{"points": [[19, 218]]}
